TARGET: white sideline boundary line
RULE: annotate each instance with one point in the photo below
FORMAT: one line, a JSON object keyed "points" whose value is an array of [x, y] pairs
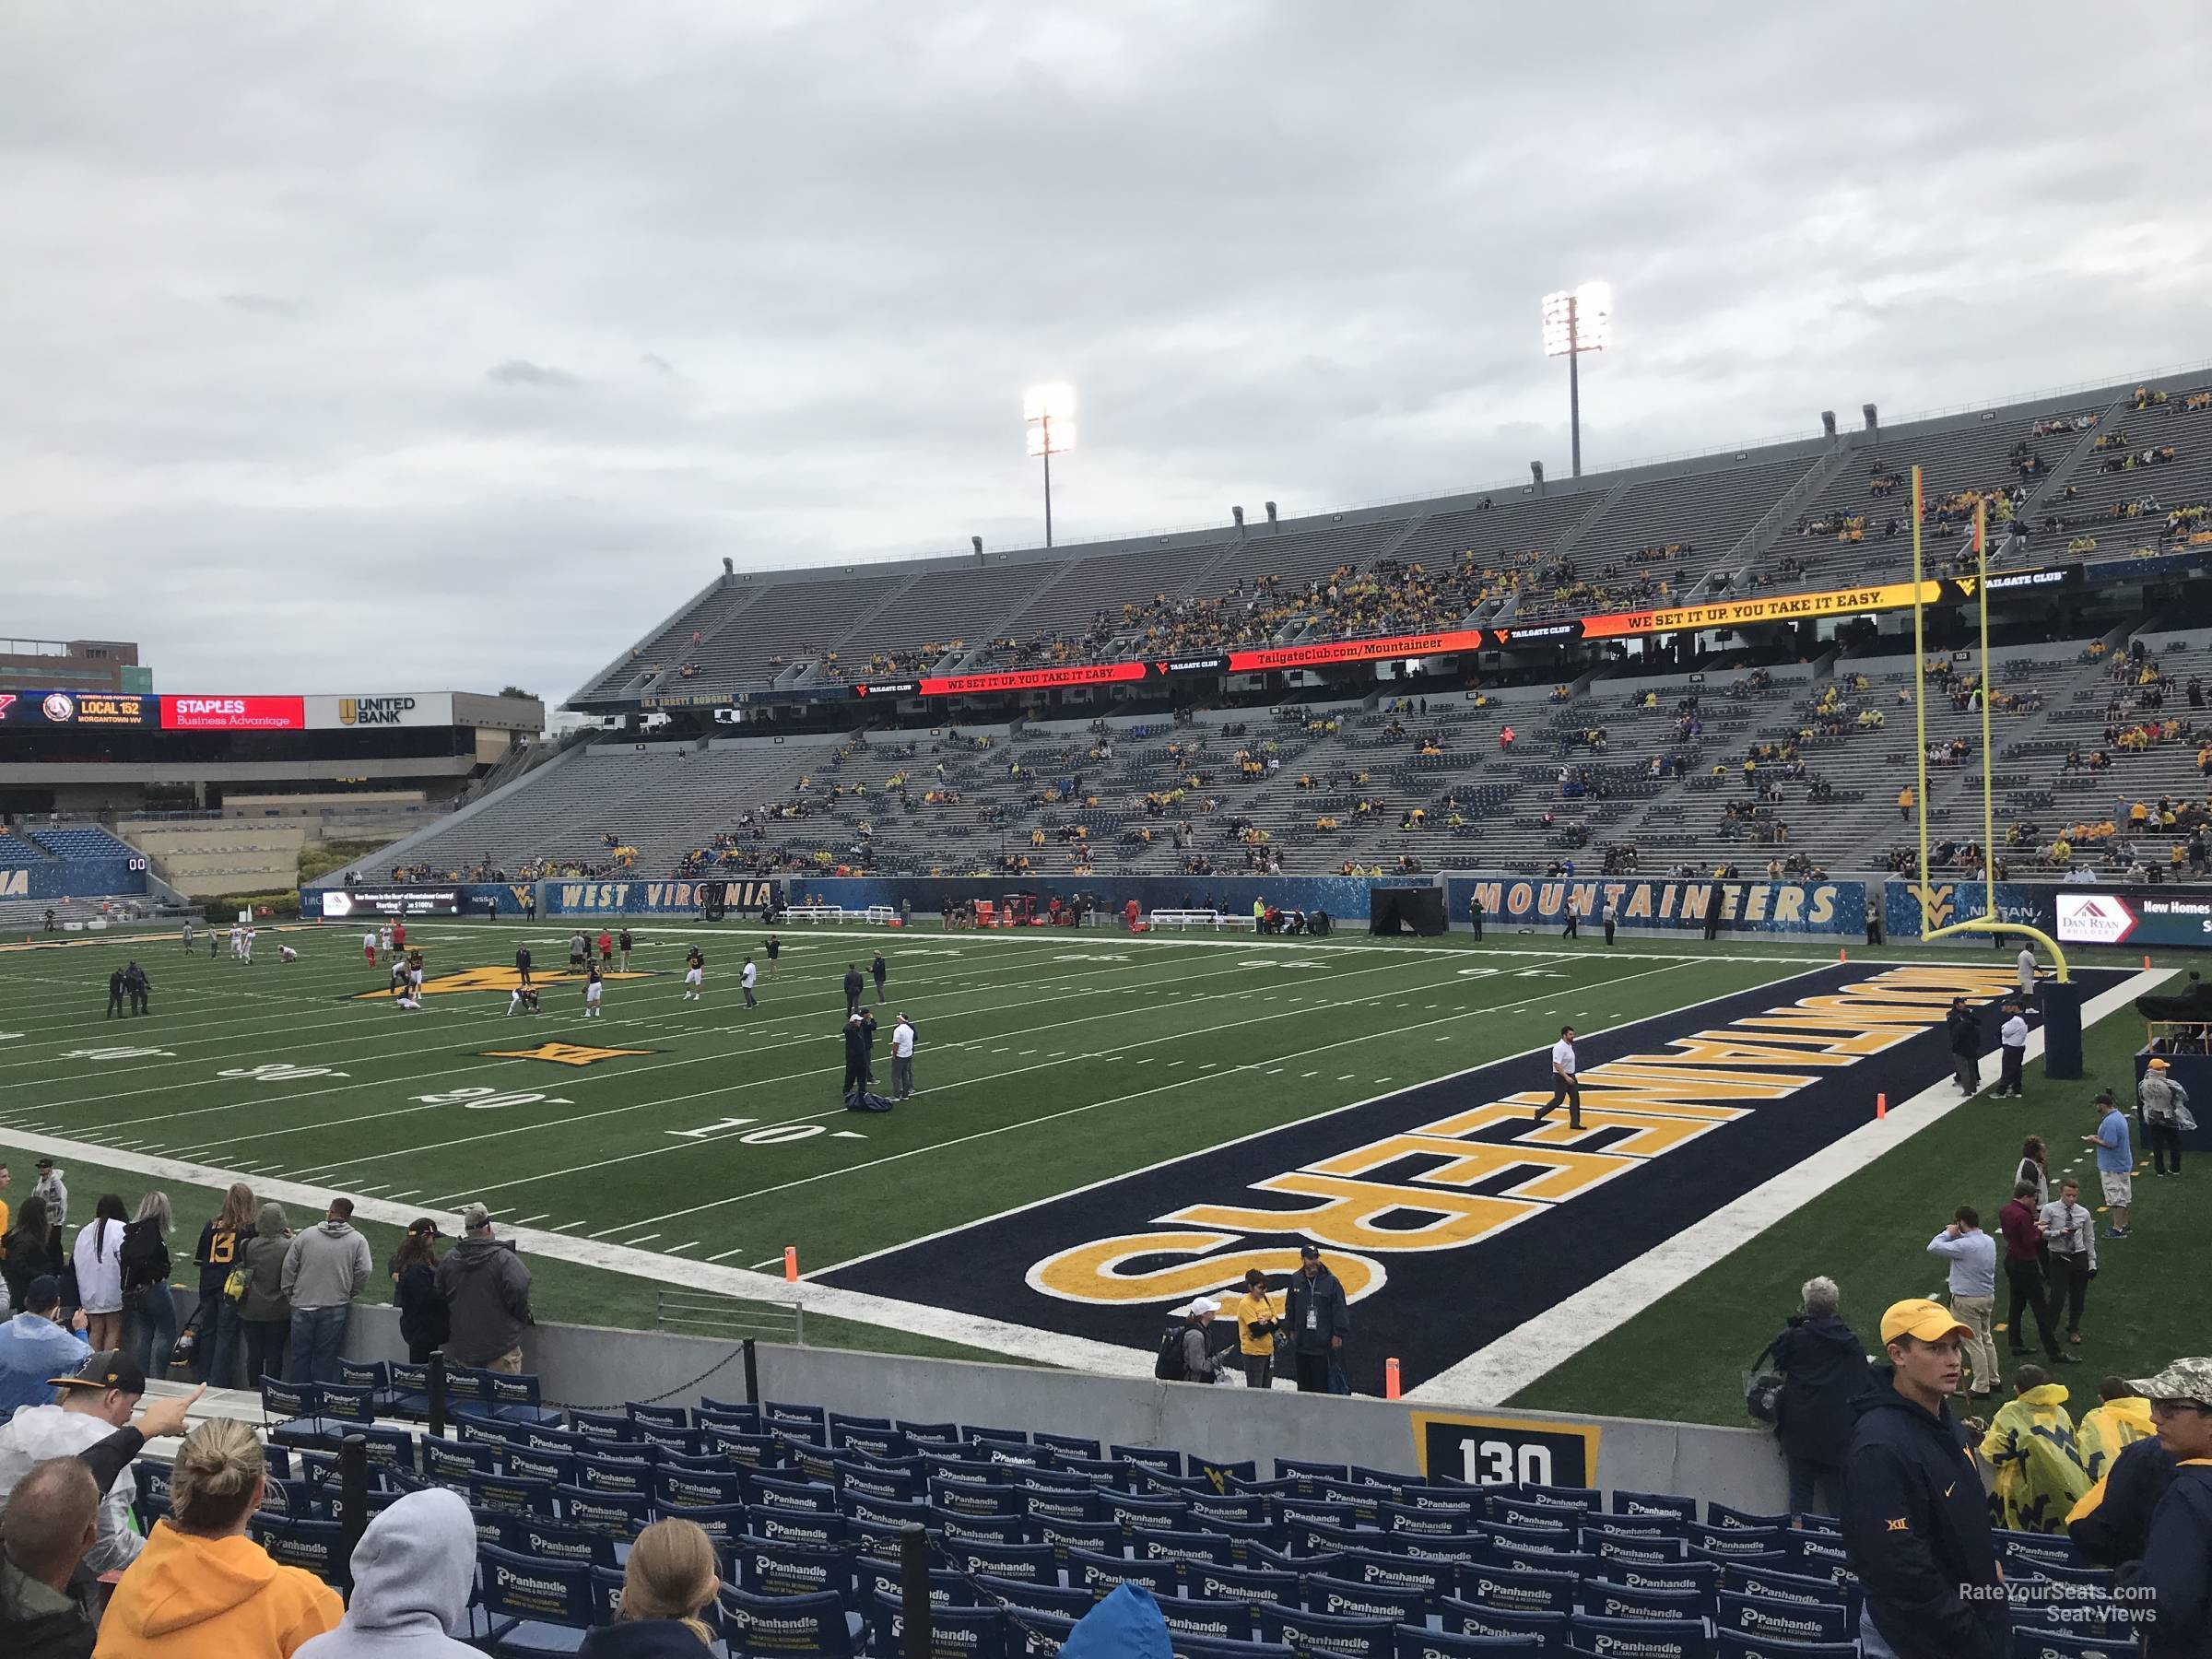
{"points": [[1019, 1342], [1494, 1374]]}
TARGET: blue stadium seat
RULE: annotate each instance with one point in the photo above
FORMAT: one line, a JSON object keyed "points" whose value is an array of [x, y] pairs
{"points": [[1651, 1638], [1471, 1619], [604, 1425], [1428, 1576], [1700, 1579], [812, 1496], [1629, 1504], [536, 1609], [1602, 1598], [891, 1512], [765, 1568], [1341, 1638], [1505, 1591], [1720, 1515], [1015, 1529], [2031, 1642], [1252, 1584], [1735, 1644], [1411, 1642], [618, 1514], [678, 1442], [501, 1397], [1152, 1544], [1032, 1634], [1012, 1563], [1075, 1444], [1763, 1616], [1345, 1599], [754, 1450], [801, 1422], [562, 1468], [515, 1493], [2038, 1549], [955, 1632], [969, 1498], [797, 1627], [660, 1417], [1748, 1541], [1741, 1579], [1189, 1618], [1148, 1457], [1100, 1573], [796, 1526], [316, 1547]]}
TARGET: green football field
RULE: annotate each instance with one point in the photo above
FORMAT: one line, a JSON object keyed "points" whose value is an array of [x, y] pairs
{"points": [[708, 1133]]}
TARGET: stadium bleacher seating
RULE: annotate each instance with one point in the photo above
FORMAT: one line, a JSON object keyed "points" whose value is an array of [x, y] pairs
{"points": [[1613, 772], [1777, 518], [1658, 791], [1026, 1530]]}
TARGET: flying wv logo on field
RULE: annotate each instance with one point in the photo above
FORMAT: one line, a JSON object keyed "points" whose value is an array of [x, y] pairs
{"points": [[1447, 1211]]}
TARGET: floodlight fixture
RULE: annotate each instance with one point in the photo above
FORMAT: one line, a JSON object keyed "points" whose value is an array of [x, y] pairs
{"points": [[1049, 413], [1577, 320]]}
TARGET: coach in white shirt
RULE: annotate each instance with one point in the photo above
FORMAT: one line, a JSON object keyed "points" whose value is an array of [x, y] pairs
{"points": [[902, 1059], [1564, 1085], [2071, 1232], [2012, 1041], [1972, 1254]]}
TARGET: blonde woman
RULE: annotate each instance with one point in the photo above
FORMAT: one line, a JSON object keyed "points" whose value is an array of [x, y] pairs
{"points": [[220, 1252], [670, 1579], [150, 1330], [200, 1589]]}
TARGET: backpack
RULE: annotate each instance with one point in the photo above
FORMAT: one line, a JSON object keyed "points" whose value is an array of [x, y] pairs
{"points": [[144, 1257], [1762, 1390], [1169, 1367]]}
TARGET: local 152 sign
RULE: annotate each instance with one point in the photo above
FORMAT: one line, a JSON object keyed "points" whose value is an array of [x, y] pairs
{"points": [[1491, 1451], [76, 709], [233, 714]]}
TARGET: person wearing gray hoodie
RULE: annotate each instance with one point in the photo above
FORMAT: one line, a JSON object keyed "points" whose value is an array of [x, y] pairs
{"points": [[413, 1572], [324, 1269]]}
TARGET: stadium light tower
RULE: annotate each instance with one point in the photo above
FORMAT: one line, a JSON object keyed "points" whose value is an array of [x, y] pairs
{"points": [[1050, 414], [1575, 321]]}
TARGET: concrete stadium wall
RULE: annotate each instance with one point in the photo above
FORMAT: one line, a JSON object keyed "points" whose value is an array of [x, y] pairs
{"points": [[592, 1367], [1649, 907]]}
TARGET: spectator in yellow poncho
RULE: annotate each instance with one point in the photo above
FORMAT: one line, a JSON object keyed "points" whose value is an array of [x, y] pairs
{"points": [[2121, 1419], [2031, 1444]]}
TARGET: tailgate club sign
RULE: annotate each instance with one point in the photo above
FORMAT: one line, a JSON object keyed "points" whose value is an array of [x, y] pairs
{"points": [[1450, 1214]]}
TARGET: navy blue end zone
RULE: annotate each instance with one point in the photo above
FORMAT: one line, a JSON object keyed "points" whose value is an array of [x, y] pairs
{"points": [[1440, 1304]]}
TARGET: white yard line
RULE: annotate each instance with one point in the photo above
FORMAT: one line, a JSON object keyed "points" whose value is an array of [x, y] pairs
{"points": [[1503, 1367]]}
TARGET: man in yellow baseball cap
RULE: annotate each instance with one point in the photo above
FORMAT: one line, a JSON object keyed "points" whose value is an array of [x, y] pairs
{"points": [[1916, 1522]]}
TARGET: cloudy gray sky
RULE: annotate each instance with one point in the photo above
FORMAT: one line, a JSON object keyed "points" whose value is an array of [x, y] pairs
{"points": [[419, 346]]}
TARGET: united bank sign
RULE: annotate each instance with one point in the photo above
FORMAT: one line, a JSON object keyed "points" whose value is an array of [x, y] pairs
{"points": [[379, 711], [374, 710]]}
